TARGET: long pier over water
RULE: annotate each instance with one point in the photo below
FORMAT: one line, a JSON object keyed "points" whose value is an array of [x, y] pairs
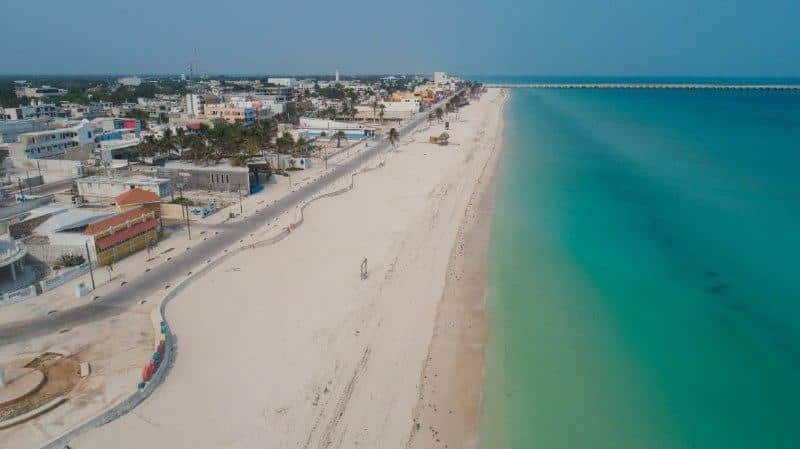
{"points": [[648, 86]]}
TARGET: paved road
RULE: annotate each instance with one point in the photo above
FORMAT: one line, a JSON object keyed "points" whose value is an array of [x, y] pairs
{"points": [[144, 285]]}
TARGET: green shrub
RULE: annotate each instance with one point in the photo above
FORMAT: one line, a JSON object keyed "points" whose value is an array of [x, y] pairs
{"points": [[70, 260]]}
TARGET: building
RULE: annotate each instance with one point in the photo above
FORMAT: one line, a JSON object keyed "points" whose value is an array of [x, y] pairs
{"points": [[285, 82], [392, 110], [105, 188], [11, 257], [285, 161], [315, 127], [135, 198], [54, 143], [29, 112], [11, 129], [263, 108], [39, 92], [194, 105], [119, 149], [131, 81], [231, 113], [273, 106], [110, 124], [221, 177], [80, 111], [123, 234], [57, 231], [440, 78]]}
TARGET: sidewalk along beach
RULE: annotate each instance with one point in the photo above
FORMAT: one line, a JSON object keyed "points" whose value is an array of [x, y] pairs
{"points": [[287, 345]]}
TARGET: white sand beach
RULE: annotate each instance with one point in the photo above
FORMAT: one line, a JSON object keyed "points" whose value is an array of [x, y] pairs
{"points": [[285, 346]]}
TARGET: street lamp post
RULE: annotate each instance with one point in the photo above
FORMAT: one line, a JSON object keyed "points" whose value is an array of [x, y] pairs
{"points": [[89, 261]]}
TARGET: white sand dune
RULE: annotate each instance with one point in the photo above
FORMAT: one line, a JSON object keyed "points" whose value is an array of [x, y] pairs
{"points": [[286, 347]]}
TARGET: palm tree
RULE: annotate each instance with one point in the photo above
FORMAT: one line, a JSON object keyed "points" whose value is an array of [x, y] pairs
{"points": [[285, 143], [394, 136], [439, 113], [339, 135], [147, 147], [300, 147], [167, 142], [383, 110], [375, 106], [251, 148], [181, 134], [329, 112]]}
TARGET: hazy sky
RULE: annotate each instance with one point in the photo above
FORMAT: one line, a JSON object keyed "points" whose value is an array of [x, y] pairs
{"points": [[553, 37]]}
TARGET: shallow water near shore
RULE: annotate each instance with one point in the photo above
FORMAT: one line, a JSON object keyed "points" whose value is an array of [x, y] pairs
{"points": [[643, 287]]}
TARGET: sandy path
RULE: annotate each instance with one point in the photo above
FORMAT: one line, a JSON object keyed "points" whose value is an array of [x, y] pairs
{"points": [[285, 346]]}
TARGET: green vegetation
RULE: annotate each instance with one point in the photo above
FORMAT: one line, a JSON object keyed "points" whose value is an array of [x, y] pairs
{"points": [[84, 90], [292, 113], [235, 142], [8, 99], [182, 201], [339, 135], [69, 260]]}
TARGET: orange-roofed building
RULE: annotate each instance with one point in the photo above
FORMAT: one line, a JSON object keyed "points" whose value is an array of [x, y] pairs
{"points": [[137, 197], [123, 234]]}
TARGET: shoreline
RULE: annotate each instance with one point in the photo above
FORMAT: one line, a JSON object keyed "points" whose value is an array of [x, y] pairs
{"points": [[450, 397]]}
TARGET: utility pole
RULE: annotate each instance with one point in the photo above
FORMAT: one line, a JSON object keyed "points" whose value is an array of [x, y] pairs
{"points": [[239, 189], [89, 259], [188, 226]]}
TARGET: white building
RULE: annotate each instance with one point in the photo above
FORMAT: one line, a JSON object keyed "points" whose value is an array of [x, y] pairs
{"points": [[33, 111], [329, 125], [285, 82], [11, 129], [440, 78], [392, 110], [132, 81], [102, 188], [80, 111], [39, 92], [53, 143], [231, 113], [194, 105]]}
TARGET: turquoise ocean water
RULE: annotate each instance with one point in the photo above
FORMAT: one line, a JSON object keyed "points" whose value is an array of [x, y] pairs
{"points": [[645, 272]]}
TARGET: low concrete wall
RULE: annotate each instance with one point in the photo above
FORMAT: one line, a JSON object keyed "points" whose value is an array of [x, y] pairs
{"points": [[18, 295], [64, 277]]}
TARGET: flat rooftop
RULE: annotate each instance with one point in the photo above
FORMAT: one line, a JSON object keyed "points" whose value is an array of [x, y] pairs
{"points": [[222, 166], [137, 179]]}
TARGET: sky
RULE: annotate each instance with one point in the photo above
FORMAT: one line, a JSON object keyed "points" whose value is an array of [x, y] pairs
{"points": [[478, 37]]}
